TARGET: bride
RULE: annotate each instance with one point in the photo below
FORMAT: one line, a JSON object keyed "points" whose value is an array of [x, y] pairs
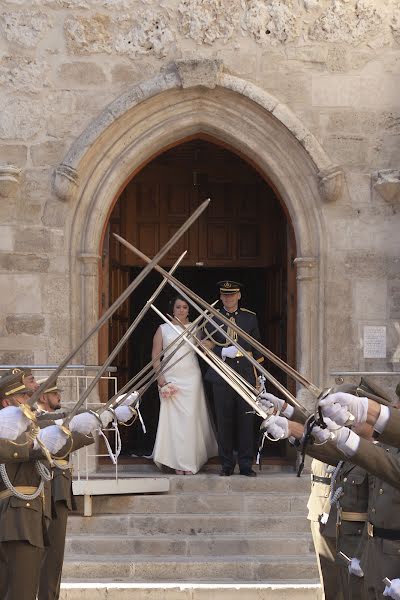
{"points": [[185, 438]]}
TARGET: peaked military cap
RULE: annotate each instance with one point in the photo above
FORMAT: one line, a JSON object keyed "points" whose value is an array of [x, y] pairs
{"points": [[12, 384], [53, 388], [229, 287]]}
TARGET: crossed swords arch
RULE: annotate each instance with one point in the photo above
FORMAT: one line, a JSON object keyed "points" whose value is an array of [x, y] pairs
{"points": [[207, 312]]}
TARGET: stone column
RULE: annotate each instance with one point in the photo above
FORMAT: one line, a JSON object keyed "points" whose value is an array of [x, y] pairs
{"points": [[90, 304], [89, 353], [307, 349]]}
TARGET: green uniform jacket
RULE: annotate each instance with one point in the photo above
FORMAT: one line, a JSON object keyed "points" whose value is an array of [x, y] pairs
{"points": [[354, 499]]}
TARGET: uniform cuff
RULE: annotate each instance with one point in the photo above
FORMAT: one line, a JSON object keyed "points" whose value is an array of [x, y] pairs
{"points": [[382, 420], [349, 446], [288, 412]]}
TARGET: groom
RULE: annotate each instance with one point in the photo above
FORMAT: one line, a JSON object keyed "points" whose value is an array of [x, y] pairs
{"points": [[232, 412]]}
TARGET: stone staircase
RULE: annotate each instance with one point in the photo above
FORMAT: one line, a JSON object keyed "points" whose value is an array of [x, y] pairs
{"points": [[206, 538]]}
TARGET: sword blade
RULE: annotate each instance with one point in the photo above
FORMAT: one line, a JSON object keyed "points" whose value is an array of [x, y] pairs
{"points": [[316, 391], [121, 342], [120, 300]]}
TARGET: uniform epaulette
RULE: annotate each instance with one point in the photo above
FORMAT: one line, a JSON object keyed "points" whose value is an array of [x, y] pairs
{"points": [[247, 310]]}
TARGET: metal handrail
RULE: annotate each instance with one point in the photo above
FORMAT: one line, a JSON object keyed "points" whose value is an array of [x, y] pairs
{"points": [[52, 367], [373, 373]]}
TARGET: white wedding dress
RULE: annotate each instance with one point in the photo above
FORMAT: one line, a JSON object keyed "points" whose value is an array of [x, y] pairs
{"points": [[185, 437]]}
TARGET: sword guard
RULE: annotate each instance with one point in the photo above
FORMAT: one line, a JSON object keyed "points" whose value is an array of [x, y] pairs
{"points": [[28, 412]]}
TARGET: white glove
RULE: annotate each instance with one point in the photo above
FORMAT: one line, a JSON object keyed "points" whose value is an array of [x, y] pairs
{"points": [[229, 352], [322, 435], [124, 414], [126, 399], [268, 401], [355, 568], [53, 438], [129, 399], [337, 406], [345, 440], [106, 417], [84, 423], [393, 590], [276, 427], [13, 423]]}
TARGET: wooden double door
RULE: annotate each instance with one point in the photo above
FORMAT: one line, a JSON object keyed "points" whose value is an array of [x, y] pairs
{"points": [[243, 235]]}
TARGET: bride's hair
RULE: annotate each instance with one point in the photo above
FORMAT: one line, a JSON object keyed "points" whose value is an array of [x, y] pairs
{"points": [[172, 301]]}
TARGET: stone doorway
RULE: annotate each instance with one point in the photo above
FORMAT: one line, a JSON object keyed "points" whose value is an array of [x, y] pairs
{"points": [[244, 235]]}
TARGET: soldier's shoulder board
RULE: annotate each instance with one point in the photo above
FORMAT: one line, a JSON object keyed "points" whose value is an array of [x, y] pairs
{"points": [[248, 311]]}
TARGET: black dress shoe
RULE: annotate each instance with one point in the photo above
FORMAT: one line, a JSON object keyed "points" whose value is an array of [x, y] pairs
{"points": [[249, 473], [225, 472]]}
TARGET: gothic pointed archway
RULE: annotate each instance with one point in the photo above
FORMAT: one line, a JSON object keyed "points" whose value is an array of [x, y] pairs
{"points": [[158, 114]]}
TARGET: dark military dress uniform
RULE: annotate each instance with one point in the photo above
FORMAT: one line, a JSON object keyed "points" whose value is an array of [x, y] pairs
{"points": [[346, 522], [23, 530], [381, 555], [63, 501], [232, 412]]}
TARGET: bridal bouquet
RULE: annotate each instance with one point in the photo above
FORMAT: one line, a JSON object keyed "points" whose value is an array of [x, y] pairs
{"points": [[168, 391]]}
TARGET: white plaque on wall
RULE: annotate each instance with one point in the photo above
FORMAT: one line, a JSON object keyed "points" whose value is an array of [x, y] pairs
{"points": [[374, 341]]}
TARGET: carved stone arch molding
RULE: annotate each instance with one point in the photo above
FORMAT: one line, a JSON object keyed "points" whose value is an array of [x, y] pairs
{"points": [[198, 97]]}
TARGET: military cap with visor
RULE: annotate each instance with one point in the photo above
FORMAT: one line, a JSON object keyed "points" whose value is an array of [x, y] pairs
{"points": [[229, 287]]}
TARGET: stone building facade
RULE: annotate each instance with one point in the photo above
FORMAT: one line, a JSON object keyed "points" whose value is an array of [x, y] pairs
{"points": [[307, 90]]}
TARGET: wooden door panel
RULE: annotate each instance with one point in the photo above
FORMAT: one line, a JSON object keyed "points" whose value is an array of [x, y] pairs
{"points": [[217, 242], [248, 242], [147, 238], [146, 198], [178, 201]]}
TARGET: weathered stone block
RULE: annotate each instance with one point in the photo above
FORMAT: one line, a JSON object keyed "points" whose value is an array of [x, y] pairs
{"points": [[351, 150], [21, 117], [54, 214], [81, 74], [24, 74], [25, 28], [149, 32], [27, 263], [6, 238], [206, 21], [387, 183], [131, 73], [31, 324], [32, 240], [88, 35], [369, 299], [271, 23], [14, 154], [349, 22], [47, 153], [17, 358], [335, 90], [350, 121], [203, 72]]}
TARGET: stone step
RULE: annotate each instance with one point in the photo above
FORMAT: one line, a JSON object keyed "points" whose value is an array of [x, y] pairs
{"points": [[156, 524], [284, 483], [198, 545], [191, 502], [152, 591], [178, 568]]}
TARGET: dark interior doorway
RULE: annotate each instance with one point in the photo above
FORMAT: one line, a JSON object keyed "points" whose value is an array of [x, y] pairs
{"points": [[244, 236]]}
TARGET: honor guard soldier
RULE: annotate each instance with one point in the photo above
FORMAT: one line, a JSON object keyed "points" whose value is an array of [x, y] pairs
{"points": [[232, 412], [25, 507], [62, 502]]}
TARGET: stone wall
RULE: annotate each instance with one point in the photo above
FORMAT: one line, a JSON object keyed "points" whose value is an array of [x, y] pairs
{"points": [[334, 63]]}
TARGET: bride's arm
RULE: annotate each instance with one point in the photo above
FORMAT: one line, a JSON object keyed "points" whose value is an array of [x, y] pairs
{"points": [[157, 348]]}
